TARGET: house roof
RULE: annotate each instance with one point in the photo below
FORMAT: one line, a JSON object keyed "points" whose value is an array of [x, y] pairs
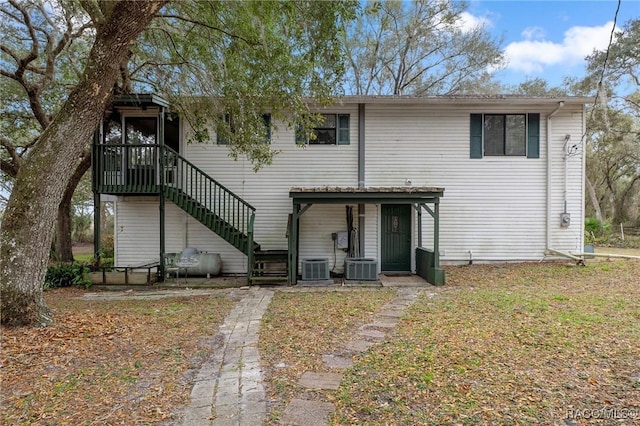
{"points": [[149, 99], [466, 99]]}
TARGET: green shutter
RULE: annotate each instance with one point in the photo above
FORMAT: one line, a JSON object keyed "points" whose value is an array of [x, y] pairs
{"points": [[533, 136], [267, 124], [220, 139], [476, 136], [343, 129]]}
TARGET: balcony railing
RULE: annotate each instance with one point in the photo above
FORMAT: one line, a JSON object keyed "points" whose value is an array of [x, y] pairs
{"points": [[126, 169]]}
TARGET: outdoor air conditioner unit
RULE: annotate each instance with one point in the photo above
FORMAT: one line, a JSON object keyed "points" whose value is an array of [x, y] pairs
{"points": [[363, 269], [315, 269]]}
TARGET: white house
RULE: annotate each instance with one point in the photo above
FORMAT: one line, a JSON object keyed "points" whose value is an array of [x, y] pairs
{"points": [[495, 178]]}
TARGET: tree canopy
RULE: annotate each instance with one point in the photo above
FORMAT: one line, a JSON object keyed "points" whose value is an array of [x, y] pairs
{"points": [[613, 137], [64, 61], [417, 48]]}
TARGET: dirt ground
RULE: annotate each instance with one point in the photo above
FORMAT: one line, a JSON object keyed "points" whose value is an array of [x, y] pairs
{"points": [[85, 248]]}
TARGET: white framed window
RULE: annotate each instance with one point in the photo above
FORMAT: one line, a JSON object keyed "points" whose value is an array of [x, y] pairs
{"points": [[333, 129]]}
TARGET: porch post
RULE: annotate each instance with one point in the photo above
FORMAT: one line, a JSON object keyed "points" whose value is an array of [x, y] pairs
{"points": [[160, 177], [419, 209], [436, 234], [96, 228], [96, 200], [293, 244]]}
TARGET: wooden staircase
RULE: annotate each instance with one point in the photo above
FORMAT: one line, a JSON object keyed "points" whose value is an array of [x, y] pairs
{"points": [[159, 170], [228, 231], [224, 213]]}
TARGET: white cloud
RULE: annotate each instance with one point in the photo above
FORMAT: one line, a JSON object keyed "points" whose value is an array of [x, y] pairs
{"points": [[532, 56], [532, 33], [469, 22]]}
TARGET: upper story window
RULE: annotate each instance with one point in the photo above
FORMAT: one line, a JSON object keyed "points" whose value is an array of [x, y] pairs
{"points": [[505, 135], [227, 120], [333, 129]]}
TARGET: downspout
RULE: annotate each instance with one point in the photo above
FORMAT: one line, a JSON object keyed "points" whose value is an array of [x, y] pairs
{"points": [[548, 222], [361, 178]]}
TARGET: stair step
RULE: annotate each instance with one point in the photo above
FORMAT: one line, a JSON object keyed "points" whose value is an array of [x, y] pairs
{"points": [[270, 261], [269, 279], [270, 257]]}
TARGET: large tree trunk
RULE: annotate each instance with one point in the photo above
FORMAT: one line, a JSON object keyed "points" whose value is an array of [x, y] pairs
{"points": [[594, 200], [63, 246], [27, 228]]}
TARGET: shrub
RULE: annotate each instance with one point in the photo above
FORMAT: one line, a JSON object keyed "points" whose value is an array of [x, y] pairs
{"points": [[106, 248], [596, 231], [67, 275]]}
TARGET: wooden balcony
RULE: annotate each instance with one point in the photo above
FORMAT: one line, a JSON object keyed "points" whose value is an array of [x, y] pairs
{"points": [[128, 169]]}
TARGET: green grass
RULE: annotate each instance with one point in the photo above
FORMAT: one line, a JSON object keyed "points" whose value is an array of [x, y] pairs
{"points": [[84, 257]]}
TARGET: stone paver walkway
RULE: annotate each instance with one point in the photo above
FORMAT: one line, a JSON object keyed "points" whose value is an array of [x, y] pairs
{"points": [[231, 382], [301, 412], [228, 389]]}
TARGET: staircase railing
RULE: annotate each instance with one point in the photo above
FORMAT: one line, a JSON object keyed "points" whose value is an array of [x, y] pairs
{"points": [[209, 195], [154, 169]]}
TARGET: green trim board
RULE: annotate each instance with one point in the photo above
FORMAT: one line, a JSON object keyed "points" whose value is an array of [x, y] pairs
{"points": [[366, 195], [140, 100]]}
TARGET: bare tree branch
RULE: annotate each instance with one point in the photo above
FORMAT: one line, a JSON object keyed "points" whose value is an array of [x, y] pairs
{"points": [[33, 54]]}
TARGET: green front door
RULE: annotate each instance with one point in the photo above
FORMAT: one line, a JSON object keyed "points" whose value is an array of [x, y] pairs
{"points": [[396, 238]]}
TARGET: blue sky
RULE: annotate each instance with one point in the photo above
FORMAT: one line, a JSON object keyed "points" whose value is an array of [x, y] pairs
{"points": [[549, 39]]}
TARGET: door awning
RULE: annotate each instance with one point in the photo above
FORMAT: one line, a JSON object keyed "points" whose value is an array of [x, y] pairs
{"points": [[366, 195]]}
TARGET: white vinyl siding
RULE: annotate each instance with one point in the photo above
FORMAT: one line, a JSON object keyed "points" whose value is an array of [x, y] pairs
{"points": [[567, 122], [268, 189], [494, 208], [137, 234]]}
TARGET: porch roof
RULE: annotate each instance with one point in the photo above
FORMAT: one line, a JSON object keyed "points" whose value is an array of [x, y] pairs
{"points": [[140, 100], [420, 196], [366, 195]]}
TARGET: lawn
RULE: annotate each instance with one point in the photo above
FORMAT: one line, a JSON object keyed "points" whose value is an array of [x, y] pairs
{"points": [[499, 344], [106, 361], [300, 327], [508, 345]]}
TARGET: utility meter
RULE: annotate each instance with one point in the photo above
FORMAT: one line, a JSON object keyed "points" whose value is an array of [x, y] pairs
{"points": [[343, 240]]}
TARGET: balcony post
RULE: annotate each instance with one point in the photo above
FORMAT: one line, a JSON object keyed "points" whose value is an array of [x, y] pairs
{"points": [[160, 178]]}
